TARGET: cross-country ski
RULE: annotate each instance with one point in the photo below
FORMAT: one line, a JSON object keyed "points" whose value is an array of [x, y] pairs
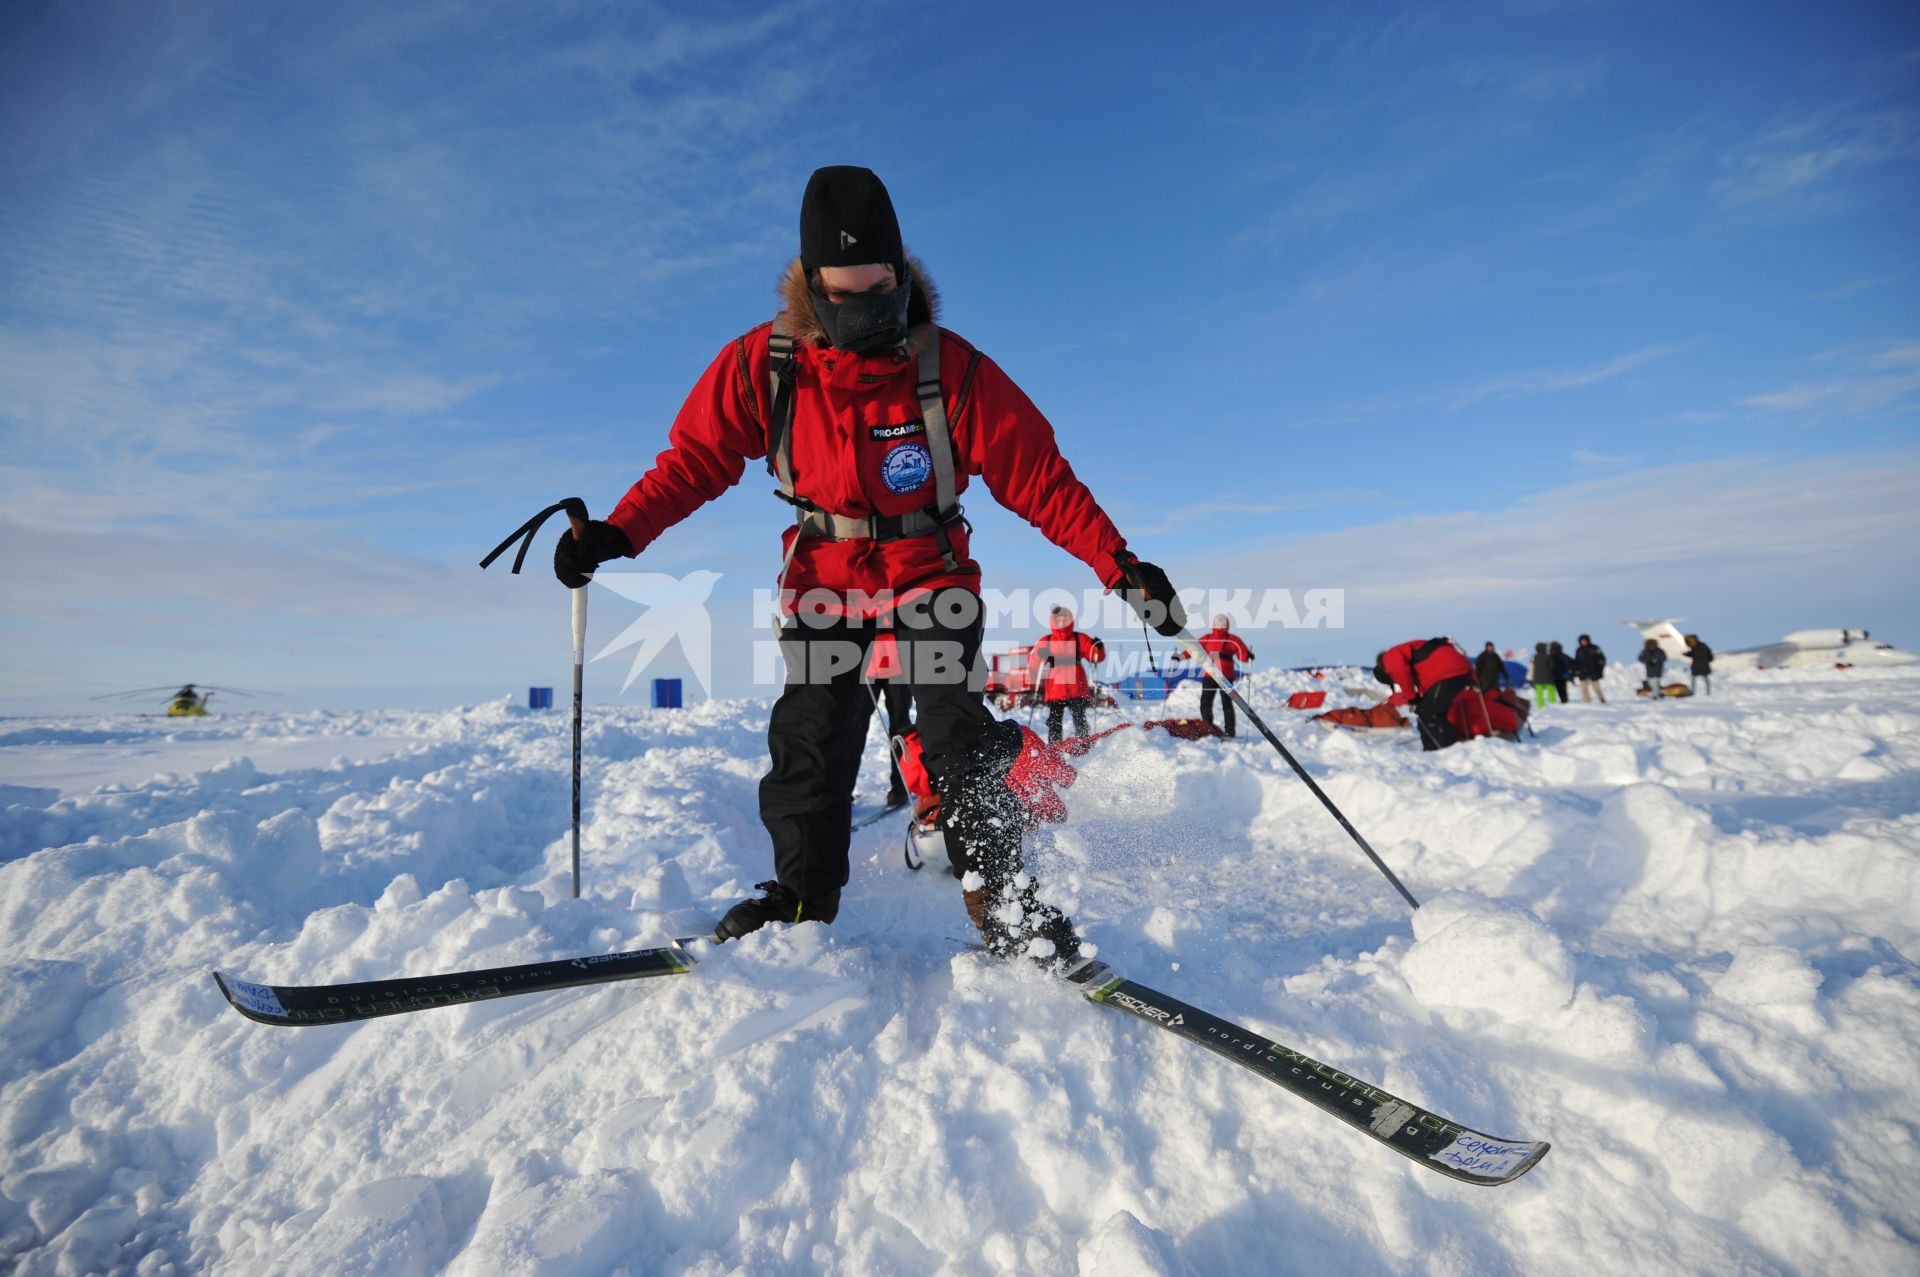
{"points": [[1431, 1140], [309, 1005]]}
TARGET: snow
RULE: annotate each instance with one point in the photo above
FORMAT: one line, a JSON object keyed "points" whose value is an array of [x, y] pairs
{"points": [[1673, 938]]}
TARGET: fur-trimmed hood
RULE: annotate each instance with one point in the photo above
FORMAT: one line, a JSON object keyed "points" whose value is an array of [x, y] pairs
{"points": [[923, 308]]}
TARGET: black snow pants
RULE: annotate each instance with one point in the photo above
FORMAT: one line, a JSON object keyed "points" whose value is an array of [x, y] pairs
{"points": [[1430, 711], [1208, 690], [818, 731], [1056, 715]]}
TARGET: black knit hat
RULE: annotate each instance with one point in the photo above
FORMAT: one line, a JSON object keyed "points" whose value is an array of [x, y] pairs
{"points": [[846, 219]]}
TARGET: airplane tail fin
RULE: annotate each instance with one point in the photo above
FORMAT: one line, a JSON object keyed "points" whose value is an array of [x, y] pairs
{"points": [[1664, 632]]}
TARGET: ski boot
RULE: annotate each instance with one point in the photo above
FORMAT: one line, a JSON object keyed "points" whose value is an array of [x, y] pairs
{"points": [[1013, 924], [777, 905]]}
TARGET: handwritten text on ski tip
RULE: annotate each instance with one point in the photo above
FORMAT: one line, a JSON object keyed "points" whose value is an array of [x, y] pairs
{"points": [[1479, 1155]]}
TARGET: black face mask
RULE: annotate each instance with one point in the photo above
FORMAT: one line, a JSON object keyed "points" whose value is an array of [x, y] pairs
{"points": [[865, 323], [1380, 670]]}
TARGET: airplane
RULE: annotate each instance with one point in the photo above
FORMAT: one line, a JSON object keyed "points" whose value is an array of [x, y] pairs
{"points": [[1802, 649]]}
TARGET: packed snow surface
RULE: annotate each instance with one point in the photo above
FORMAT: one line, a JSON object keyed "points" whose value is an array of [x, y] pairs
{"points": [[1676, 939]]}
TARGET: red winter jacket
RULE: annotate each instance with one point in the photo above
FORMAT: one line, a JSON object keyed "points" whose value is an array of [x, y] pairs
{"points": [[851, 413], [1055, 664], [1411, 679], [1226, 649]]}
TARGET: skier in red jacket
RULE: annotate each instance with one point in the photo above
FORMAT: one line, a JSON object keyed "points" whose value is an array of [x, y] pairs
{"points": [[873, 419], [1227, 650], [1428, 673], [1055, 665]]}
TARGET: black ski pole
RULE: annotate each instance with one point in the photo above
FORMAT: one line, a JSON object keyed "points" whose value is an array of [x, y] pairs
{"points": [[1226, 685], [576, 511]]}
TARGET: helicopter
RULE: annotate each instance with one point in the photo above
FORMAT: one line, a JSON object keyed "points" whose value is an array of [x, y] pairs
{"points": [[189, 702]]}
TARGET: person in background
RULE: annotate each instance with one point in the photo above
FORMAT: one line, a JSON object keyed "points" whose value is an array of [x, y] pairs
{"points": [[1227, 649], [1489, 671], [1428, 674], [1653, 658], [1589, 663], [1562, 671], [1701, 659], [1543, 681], [1057, 672]]}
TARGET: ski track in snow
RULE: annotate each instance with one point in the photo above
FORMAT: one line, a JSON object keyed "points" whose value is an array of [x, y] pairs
{"points": [[1675, 939]]}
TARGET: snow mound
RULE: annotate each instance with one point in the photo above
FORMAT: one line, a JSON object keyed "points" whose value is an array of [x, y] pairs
{"points": [[1471, 954], [1125, 1247]]}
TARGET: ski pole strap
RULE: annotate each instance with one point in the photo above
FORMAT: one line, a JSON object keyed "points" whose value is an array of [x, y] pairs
{"points": [[576, 515]]}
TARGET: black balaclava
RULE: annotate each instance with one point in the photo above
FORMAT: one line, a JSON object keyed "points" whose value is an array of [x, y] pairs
{"points": [[847, 219], [1380, 670], [865, 323]]}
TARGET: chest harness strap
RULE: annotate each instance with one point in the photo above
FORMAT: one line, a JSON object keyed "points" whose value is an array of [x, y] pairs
{"points": [[810, 519]]}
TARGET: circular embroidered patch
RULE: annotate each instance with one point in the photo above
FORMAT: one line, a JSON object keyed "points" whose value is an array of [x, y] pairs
{"points": [[906, 467]]}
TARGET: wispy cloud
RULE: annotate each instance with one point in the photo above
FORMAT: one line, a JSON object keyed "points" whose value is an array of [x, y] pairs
{"points": [[1205, 516], [1872, 381], [1546, 383], [1854, 287], [1793, 166], [1505, 386], [1431, 123], [1603, 460], [1531, 79], [1734, 543], [292, 255]]}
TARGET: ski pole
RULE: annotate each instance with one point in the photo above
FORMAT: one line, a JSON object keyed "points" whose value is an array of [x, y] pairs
{"points": [[579, 669], [576, 511], [1226, 685]]}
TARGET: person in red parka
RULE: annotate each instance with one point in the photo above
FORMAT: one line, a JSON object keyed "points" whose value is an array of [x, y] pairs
{"points": [[1428, 674], [1056, 669], [874, 419], [1227, 650]]}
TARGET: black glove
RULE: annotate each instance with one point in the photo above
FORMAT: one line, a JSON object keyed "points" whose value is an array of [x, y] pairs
{"points": [[1149, 593], [574, 561]]}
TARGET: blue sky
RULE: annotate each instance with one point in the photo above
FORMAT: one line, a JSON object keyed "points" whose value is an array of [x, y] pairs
{"points": [[1511, 320]]}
